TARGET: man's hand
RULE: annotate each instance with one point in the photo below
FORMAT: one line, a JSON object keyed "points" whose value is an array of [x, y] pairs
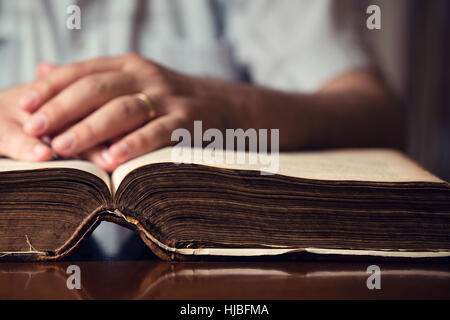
{"points": [[14, 142], [92, 104], [94, 110]]}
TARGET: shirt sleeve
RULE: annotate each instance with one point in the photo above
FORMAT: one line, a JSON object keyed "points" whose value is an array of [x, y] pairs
{"points": [[294, 45]]}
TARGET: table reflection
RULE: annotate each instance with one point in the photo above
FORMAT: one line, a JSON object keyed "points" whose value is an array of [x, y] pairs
{"points": [[153, 279]]}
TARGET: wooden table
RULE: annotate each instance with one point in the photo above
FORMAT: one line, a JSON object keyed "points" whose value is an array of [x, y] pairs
{"points": [[154, 279], [137, 274]]}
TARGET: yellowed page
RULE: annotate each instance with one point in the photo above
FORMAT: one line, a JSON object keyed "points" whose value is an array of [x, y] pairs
{"points": [[12, 165], [378, 165]]}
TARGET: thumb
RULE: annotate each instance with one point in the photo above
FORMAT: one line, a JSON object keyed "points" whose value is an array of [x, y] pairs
{"points": [[44, 68]]}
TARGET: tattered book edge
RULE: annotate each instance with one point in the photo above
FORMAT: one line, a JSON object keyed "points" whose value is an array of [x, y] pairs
{"points": [[166, 252], [251, 252]]}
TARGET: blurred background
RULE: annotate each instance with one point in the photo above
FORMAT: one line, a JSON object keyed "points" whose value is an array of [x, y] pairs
{"points": [[413, 51]]}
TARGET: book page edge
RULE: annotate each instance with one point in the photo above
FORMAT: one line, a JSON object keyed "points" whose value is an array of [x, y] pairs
{"points": [[249, 252], [85, 166]]}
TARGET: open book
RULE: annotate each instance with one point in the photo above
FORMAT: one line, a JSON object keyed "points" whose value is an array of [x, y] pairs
{"points": [[344, 202]]}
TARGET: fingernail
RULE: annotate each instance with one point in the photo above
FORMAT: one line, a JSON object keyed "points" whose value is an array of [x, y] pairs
{"points": [[29, 100], [106, 156], [63, 142], [40, 152], [119, 150], [36, 124]]}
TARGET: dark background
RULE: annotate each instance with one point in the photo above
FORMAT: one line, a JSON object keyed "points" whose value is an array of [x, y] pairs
{"points": [[413, 51]]}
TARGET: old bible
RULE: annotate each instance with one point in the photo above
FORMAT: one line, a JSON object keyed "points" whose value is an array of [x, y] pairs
{"points": [[360, 203]]}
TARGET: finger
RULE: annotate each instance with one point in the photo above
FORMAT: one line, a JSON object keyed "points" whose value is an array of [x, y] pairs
{"points": [[44, 68], [14, 143], [117, 117], [100, 156], [44, 89], [156, 134], [78, 100]]}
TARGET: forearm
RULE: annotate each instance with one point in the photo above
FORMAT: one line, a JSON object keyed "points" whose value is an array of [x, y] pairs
{"points": [[342, 115], [353, 119]]}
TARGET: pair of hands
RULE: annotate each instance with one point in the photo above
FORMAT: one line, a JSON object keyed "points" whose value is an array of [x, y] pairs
{"points": [[90, 110]]}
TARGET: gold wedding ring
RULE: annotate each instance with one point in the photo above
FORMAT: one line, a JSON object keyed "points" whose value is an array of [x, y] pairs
{"points": [[149, 104]]}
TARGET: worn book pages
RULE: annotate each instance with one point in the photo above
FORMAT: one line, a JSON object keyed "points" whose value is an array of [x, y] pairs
{"points": [[13, 165], [272, 251], [374, 165]]}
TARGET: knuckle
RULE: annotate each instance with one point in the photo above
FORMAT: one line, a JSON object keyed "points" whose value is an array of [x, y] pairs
{"points": [[156, 69], [93, 83], [185, 109], [184, 104], [44, 87], [151, 69], [77, 69], [133, 62], [52, 110], [125, 108], [140, 141], [88, 130], [161, 129], [166, 86], [181, 122], [133, 58]]}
